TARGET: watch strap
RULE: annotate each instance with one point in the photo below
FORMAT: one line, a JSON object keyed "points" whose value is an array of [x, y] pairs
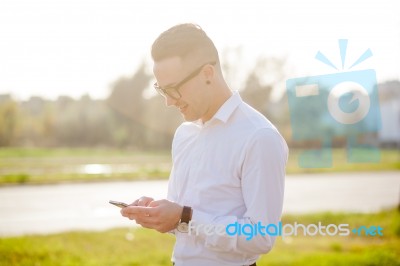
{"points": [[186, 214]]}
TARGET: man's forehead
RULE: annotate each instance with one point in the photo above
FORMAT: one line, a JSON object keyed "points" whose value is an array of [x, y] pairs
{"points": [[168, 71], [173, 64]]}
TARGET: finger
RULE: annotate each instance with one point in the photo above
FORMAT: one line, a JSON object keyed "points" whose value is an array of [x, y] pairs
{"points": [[131, 211], [130, 216], [148, 222], [125, 213], [135, 203], [138, 210], [144, 201], [141, 202], [138, 202], [154, 203], [140, 218]]}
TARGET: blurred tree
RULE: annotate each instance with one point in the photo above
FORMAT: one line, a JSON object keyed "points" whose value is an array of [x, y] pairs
{"points": [[162, 122], [267, 76], [232, 66], [127, 101], [8, 122], [255, 94], [85, 122], [134, 116]]}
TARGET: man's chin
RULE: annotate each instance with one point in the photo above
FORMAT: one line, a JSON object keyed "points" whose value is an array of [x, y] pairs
{"points": [[189, 118]]}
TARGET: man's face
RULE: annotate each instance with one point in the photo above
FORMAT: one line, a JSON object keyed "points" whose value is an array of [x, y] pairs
{"points": [[194, 98]]}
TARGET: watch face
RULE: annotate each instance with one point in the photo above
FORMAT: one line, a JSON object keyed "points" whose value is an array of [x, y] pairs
{"points": [[183, 227]]}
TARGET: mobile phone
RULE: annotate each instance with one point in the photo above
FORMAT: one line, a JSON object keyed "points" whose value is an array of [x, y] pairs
{"points": [[118, 203]]}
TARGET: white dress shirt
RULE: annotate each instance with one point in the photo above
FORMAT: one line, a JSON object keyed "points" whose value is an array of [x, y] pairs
{"points": [[229, 169]]}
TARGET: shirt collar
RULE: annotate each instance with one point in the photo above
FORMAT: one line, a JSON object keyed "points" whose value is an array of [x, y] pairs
{"points": [[226, 109]]}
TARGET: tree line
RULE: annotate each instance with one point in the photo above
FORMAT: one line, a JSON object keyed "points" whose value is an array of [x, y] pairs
{"points": [[129, 118]]}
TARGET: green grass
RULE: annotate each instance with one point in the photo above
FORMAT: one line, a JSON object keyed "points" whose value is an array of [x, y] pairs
{"points": [[113, 247], [340, 250], [138, 246], [69, 152], [38, 166]]}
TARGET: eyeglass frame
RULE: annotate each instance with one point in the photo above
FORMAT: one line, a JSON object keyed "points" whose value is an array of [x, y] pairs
{"points": [[164, 91]]}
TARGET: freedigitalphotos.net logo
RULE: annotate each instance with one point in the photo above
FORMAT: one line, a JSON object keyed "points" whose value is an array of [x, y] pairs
{"points": [[282, 230], [343, 104]]}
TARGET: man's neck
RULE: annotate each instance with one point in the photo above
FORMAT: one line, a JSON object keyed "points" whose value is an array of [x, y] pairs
{"points": [[223, 93]]}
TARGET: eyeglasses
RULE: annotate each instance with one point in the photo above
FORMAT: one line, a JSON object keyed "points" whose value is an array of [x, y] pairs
{"points": [[173, 91]]}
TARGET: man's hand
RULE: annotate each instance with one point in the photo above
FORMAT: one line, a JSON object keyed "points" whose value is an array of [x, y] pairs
{"points": [[161, 215], [143, 201]]}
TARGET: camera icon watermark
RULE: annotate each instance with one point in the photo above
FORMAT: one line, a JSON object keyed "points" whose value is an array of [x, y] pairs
{"points": [[326, 107]]}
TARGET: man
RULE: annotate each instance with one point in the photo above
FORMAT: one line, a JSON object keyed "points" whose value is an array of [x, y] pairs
{"points": [[228, 160]]}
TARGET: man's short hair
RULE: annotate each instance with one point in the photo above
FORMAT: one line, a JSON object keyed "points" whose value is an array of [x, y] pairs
{"points": [[187, 41]]}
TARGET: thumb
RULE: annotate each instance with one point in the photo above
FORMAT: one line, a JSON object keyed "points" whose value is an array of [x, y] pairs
{"points": [[155, 203]]}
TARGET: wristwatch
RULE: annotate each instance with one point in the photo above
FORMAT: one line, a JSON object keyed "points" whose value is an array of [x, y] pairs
{"points": [[183, 225]]}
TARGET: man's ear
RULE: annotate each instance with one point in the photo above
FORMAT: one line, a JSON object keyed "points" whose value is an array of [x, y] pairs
{"points": [[209, 73]]}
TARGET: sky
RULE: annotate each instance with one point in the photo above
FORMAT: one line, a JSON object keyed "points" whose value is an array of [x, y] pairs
{"points": [[50, 48]]}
